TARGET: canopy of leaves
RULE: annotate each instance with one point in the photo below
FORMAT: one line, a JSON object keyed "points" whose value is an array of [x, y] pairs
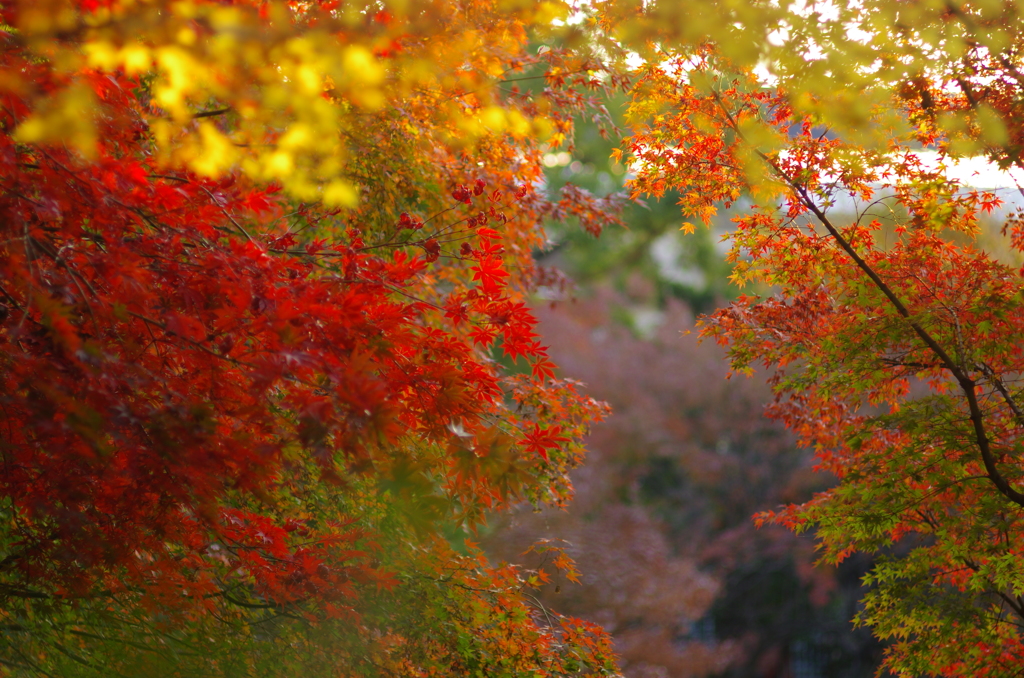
{"points": [[894, 334], [256, 259]]}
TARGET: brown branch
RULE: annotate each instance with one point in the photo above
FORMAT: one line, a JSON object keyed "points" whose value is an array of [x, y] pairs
{"points": [[1007, 397], [211, 114], [18, 592]]}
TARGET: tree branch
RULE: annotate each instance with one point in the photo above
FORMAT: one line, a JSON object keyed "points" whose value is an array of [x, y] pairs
{"points": [[967, 385]]}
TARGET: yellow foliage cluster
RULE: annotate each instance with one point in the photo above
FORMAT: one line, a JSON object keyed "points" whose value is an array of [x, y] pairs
{"points": [[284, 90]]}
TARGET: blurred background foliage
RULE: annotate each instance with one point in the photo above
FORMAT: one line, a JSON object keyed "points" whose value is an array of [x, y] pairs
{"points": [[661, 527]]}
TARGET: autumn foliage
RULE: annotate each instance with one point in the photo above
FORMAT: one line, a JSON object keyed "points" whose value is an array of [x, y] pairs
{"points": [[259, 263], [893, 320], [267, 357]]}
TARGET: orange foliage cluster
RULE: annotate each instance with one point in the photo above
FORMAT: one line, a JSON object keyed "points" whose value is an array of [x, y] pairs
{"points": [[893, 334]]}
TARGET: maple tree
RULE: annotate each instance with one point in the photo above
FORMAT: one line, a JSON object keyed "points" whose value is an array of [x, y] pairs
{"points": [[893, 330], [259, 264]]}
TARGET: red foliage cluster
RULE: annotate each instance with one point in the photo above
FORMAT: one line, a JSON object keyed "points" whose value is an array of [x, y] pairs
{"points": [[219, 401]]}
